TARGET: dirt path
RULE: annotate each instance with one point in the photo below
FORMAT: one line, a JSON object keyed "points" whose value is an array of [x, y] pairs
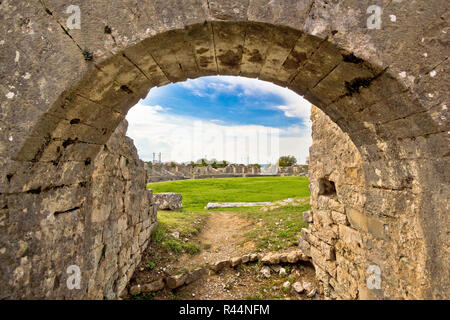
{"points": [[223, 236]]}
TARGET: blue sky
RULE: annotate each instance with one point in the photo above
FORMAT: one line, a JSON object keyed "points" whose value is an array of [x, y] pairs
{"points": [[231, 118]]}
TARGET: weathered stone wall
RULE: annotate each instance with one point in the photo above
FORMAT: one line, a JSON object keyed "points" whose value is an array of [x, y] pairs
{"points": [[123, 215], [346, 236], [336, 185], [101, 226]]}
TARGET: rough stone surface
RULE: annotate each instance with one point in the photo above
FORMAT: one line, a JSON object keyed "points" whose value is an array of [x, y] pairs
{"points": [[297, 286], [271, 258], [153, 286], [353, 224], [101, 225], [386, 88], [219, 265], [135, 290], [265, 271], [295, 256], [235, 261], [168, 200], [311, 293], [307, 216], [195, 275], [176, 281]]}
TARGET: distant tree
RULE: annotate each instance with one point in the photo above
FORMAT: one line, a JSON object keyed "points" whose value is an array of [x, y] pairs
{"points": [[219, 164], [172, 164], [286, 161], [201, 162], [213, 163]]}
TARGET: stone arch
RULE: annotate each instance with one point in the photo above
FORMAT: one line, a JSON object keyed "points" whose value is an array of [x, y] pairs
{"points": [[397, 120]]}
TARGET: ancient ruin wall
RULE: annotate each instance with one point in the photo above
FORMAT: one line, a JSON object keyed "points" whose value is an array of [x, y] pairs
{"points": [[353, 246], [104, 236], [168, 172]]}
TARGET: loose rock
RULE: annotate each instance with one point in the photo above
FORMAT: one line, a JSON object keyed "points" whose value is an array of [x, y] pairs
{"points": [[135, 289], [176, 281], [168, 200], [271, 258], [298, 287], [195, 275], [236, 261], [265, 271], [219, 265], [312, 293], [307, 286], [153, 286]]}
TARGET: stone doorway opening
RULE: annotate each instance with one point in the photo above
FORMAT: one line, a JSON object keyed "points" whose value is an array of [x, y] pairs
{"points": [[56, 215], [231, 253]]}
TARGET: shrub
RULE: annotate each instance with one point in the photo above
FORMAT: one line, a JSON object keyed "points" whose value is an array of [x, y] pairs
{"points": [[150, 265]]}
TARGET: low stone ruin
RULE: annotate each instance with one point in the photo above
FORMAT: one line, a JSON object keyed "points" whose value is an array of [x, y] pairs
{"points": [[158, 172], [269, 259], [168, 200]]}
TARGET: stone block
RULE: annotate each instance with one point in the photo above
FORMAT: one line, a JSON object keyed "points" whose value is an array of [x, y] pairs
{"points": [[271, 258], [235, 261], [307, 216], [364, 223], [339, 218], [321, 260], [153, 286], [176, 281], [304, 246], [168, 200], [195, 275], [219, 265], [350, 236]]}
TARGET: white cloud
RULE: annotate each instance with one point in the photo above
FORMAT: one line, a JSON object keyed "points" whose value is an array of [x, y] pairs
{"points": [[181, 138], [294, 107]]}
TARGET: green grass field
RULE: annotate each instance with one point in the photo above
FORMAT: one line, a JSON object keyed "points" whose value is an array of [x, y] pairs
{"points": [[270, 231], [197, 193], [280, 227]]}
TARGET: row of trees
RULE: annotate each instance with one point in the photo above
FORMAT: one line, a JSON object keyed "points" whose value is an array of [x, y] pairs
{"points": [[213, 163], [216, 164]]}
